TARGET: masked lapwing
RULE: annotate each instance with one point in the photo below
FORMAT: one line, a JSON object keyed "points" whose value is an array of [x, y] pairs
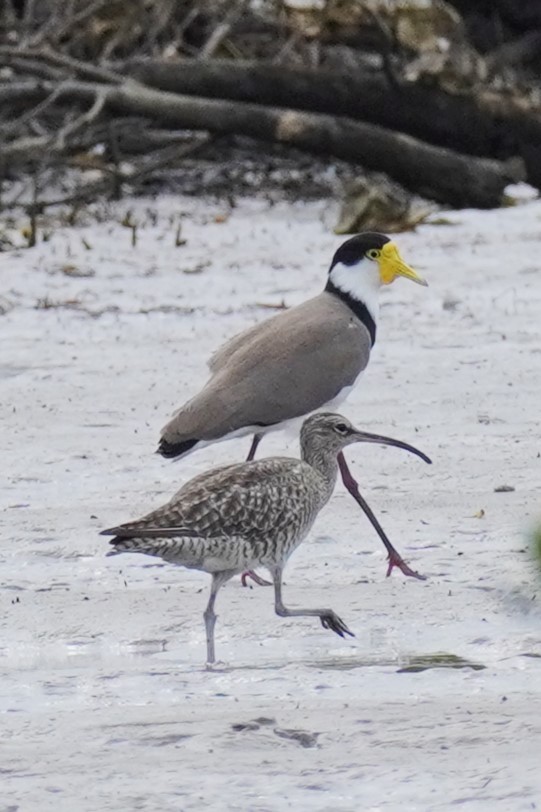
{"points": [[300, 361]]}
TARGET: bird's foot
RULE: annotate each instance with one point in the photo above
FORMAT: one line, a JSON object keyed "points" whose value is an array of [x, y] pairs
{"points": [[330, 620], [217, 665], [255, 577], [396, 560]]}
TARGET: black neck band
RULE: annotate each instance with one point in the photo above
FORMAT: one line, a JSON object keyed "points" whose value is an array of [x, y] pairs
{"points": [[357, 307]]}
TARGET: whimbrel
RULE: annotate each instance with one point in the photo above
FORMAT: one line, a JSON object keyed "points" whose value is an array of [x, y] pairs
{"points": [[252, 514], [299, 361]]}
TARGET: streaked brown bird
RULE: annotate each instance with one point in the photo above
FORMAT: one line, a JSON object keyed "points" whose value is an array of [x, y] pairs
{"points": [[252, 514], [304, 359]]}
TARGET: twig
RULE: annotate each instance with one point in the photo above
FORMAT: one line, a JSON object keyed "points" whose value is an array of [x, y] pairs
{"points": [[287, 47], [48, 56], [117, 160], [28, 18], [31, 66], [222, 30], [390, 48], [33, 212], [58, 32], [34, 112], [160, 159], [86, 118]]}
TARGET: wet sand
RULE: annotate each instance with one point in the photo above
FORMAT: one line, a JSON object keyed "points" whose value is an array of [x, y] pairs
{"points": [[104, 700]]}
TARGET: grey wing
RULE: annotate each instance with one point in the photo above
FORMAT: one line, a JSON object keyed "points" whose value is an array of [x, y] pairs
{"points": [[293, 364], [239, 501], [293, 367], [223, 353]]}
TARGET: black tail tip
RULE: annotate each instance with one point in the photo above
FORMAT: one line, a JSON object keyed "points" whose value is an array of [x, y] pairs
{"points": [[170, 450]]}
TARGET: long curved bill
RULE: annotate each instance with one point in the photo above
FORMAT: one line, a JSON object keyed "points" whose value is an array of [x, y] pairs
{"points": [[379, 439], [392, 265]]}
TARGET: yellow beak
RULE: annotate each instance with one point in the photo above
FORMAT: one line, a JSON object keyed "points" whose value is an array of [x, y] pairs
{"points": [[392, 265]]}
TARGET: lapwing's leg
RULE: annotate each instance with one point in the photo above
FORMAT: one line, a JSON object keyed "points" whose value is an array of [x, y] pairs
{"points": [[218, 580], [395, 559], [250, 573], [253, 448], [329, 619]]}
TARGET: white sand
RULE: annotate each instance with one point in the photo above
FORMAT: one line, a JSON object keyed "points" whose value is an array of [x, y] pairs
{"points": [[104, 702]]}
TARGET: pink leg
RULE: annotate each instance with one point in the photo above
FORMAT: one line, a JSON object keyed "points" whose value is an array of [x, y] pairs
{"points": [[395, 559], [250, 573], [255, 577]]}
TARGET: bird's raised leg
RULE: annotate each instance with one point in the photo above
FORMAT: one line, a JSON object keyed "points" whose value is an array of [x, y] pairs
{"points": [[218, 580], [250, 573], [395, 559], [328, 618]]}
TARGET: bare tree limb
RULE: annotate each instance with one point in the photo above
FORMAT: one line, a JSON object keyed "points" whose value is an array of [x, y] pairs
{"points": [[48, 56], [434, 172], [81, 121]]}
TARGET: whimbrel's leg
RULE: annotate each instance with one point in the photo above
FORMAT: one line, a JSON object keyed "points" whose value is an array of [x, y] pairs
{"points": [[218, 580], [329, 619], [395, 559], [250, 573], [253, 448]]}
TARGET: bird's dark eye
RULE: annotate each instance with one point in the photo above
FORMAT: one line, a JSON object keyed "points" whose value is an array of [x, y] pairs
{"points": [[341, 428], [373, 253]]}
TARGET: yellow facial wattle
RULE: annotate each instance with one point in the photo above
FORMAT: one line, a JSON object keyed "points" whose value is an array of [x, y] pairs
{"points": [[392, 265]]}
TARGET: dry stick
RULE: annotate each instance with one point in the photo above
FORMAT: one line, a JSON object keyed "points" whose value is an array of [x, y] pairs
{"points": [[34, 67], [33, 147], [76, 66], [391, 48], [28, 19], [287, 47], [34, 112], [434, 172], [158, 160], [222, 30], [116, 176], [423, 111], [59, 31], [437, 173], [33, 211], [500, 125], [85, 118]]}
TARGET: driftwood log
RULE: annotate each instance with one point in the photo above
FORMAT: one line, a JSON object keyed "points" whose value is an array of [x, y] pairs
{"points": [[481, 122], [419, 110], [446, 104], [437, 173]]}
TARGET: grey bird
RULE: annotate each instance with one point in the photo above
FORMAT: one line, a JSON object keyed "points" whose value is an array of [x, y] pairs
{"points": [[302, 360], [251, 514]]}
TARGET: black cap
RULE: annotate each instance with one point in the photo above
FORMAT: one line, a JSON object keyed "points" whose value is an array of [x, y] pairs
{"points": [[354, 249]]}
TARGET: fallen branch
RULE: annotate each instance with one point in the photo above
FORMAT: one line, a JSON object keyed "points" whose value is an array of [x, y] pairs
{"points": [[46, 56], [482, 122], [419, 110], [433, 172]]}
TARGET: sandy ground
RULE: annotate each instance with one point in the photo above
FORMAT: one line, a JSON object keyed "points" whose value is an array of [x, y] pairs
{"points": [[105, 704]]}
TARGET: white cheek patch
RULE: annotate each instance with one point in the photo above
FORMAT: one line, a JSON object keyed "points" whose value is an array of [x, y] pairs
{"points": [[360, 281]]}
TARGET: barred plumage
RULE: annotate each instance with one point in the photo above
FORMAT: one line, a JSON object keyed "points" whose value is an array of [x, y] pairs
{"points": [[248, 515]]}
